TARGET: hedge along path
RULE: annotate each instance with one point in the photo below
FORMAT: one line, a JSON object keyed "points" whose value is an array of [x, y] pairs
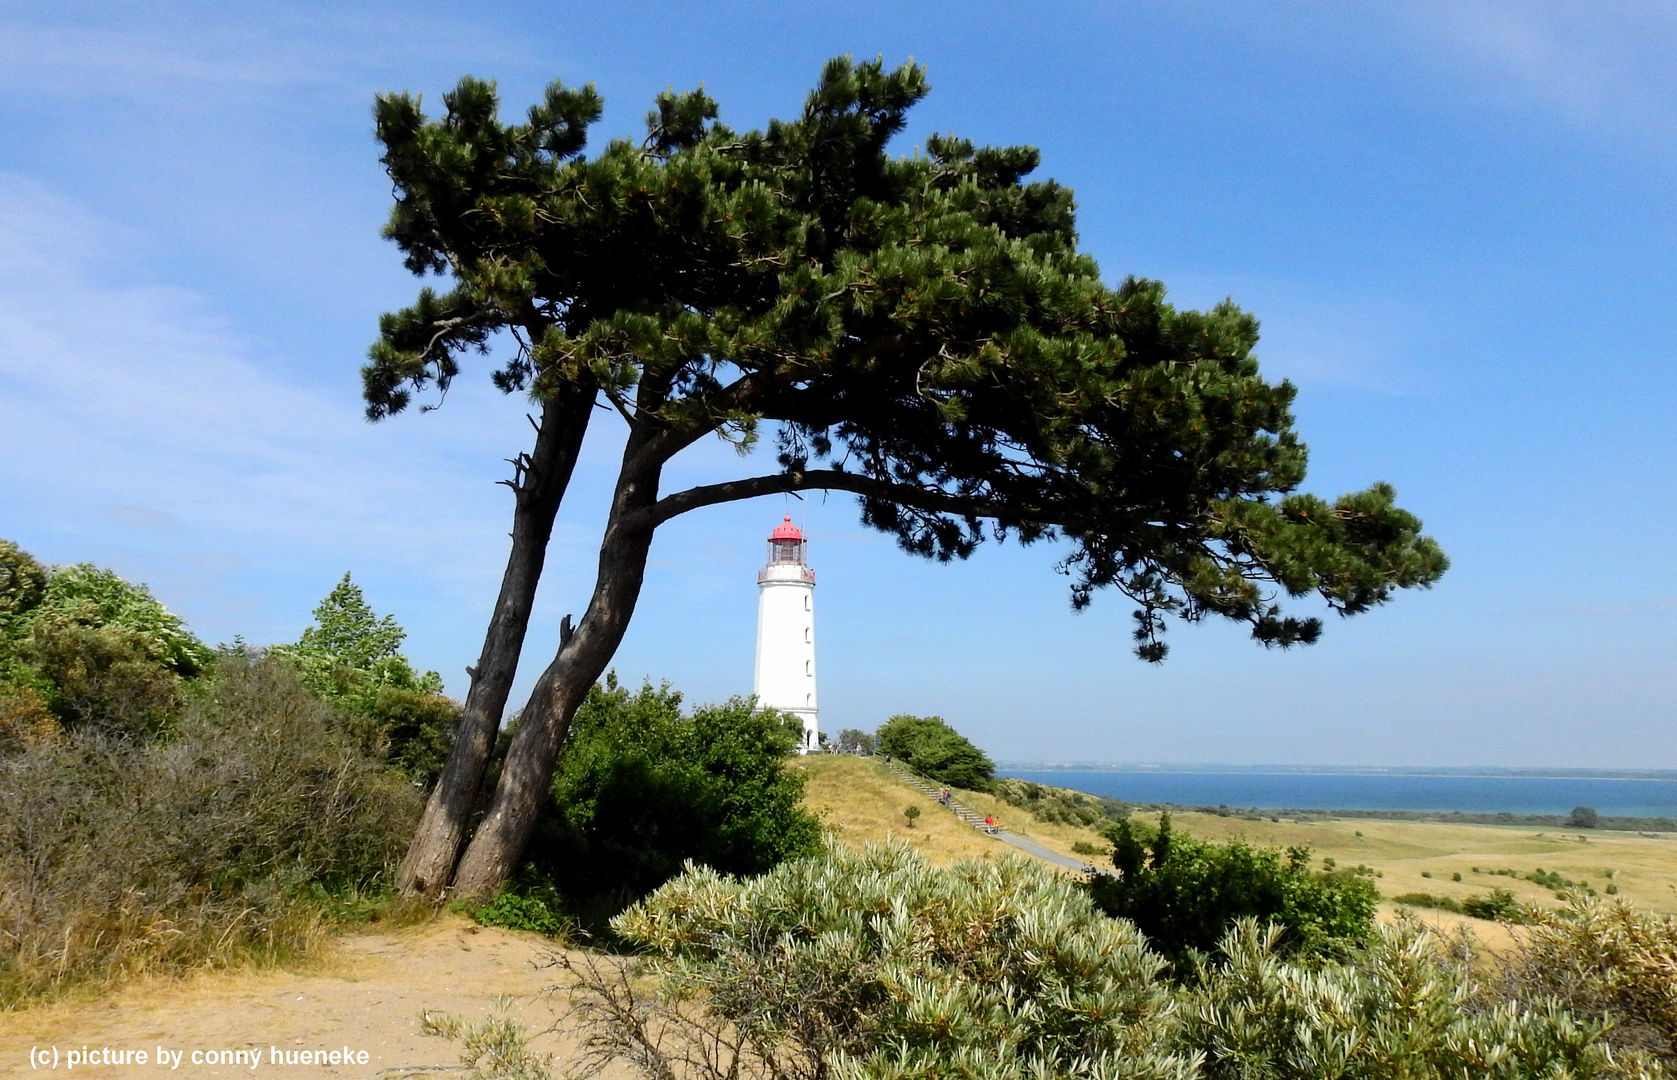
{"points": [[367, 995]]}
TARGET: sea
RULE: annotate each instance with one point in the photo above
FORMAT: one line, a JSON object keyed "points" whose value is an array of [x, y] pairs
{"points": [[1515, 791]]}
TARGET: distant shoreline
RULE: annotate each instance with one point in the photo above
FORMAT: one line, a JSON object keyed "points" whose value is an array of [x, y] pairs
{"points": [[1215, 769], [1451, 817], [1622, 800]]}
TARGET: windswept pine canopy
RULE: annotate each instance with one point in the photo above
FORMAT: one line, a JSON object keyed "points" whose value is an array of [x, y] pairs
{"points": [[923, 329]]}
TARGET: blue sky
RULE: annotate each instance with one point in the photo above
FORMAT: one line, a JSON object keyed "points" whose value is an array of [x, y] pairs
{"points": [[1454, 219]]}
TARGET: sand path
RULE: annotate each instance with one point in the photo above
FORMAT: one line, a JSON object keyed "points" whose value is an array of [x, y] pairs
{"points": [[366, 995]]}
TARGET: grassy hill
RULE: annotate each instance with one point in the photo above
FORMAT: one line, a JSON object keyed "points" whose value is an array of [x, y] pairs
{"points": [[859, 799]]}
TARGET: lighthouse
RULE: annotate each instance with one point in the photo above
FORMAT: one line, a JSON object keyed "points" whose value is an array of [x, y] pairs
{"points": [[785, 672]]}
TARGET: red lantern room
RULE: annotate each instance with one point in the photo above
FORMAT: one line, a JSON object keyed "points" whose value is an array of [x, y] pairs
{"points": [[786, 544]]}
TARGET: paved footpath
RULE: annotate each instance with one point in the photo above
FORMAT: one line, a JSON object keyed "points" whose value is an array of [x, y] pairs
{"points": [[1031, 847], [1023, 843]]}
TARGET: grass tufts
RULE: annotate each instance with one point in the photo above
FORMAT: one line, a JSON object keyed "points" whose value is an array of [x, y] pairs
{"points": [[237, 839]]}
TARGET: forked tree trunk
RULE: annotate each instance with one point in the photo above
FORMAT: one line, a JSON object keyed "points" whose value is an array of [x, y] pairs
{"points": [[505, 830], [428, 867]]}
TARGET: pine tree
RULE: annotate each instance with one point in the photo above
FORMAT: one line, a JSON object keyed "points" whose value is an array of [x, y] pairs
{"points": [[919, 331]]}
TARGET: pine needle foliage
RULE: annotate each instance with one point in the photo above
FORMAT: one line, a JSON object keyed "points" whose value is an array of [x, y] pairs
{"points": [[919, 330]]}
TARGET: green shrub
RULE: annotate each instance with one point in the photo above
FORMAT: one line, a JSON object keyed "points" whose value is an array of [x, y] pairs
{"points": [[1561, 884], [95, 652], [528, 902], [1497, 905], [349, 656], [23, 581], [641, 789], [1407, 1007], [93, 596], [875, 963], [1061, 806], [1583, 817], [929, 746], [1427, 900], [118, 855], [1185, 894], [1608, 963], [102, 679]]}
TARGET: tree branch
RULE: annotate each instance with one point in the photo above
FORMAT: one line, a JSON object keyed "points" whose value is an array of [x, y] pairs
{"points": [[912, 495]]}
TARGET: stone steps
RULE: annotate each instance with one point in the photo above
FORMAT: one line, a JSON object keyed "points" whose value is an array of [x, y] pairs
{"points": [[932, 791]]}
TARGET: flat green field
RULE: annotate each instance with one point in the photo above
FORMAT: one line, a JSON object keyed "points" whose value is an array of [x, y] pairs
{"points": [[860, 800]]}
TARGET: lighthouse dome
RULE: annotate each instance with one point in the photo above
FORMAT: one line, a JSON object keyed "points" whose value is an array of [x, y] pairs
{"points": [[786, 530]]}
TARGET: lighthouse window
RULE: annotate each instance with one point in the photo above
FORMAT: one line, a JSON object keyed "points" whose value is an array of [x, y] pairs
{"points": [[809, 667], [808, 635], [806, 601], [809, 701]]}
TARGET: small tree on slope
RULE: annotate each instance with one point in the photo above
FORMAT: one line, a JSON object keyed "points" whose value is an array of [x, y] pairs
{"points": [[920, 331]]}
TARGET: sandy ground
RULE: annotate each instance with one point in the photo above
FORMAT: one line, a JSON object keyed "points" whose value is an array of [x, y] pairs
{"points": [[367, 995]]}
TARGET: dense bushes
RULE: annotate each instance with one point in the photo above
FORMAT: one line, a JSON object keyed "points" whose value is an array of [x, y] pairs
{"points": [[929, 746], [119, 854], [1058, 805], [642, 788], [883, 965], [83, 650], [1498, 905], [1407, 1007], [874, 965], [1608, 963], [350, 656], [1185, 894]]}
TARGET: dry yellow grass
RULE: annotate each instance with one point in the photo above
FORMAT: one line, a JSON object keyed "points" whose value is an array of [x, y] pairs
{"points": [[860, 800], [1643, 867]]}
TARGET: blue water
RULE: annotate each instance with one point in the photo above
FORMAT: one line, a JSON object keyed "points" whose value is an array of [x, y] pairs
{"points": [[1515, 794]]}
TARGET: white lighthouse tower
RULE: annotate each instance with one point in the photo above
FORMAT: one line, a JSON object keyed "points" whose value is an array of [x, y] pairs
{"points": [[785, 673]]}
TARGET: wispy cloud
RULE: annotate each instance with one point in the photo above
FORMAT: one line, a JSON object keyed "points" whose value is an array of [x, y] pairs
{"points": [[182, 51], [1641, 608], [141, 429], [1607, 66]]}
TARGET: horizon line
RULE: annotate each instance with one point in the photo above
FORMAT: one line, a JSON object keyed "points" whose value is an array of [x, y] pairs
{"points": [[1532, 771]]}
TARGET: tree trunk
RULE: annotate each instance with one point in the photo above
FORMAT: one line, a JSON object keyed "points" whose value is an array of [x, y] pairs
{"points": [[429, 864], [501, 837]]}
